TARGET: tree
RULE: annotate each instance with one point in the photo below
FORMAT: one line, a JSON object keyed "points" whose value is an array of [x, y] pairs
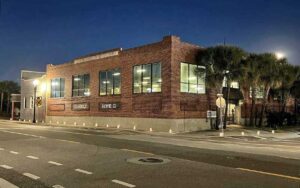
{"points": [[8, 87], [249, 78], [221, 61], [269, 78]]}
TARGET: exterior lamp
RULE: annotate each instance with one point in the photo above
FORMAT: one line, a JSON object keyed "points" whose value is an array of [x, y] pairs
{"points": [[279, 55], [35, 84]]}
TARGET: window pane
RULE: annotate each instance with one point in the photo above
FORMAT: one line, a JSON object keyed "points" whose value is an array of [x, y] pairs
{"points": [[184, 68], [117, 81], [193, 88], [184, 87], [146, 78], [156, 77], [109, 83], [201, 84], [62, 87], [192, 75], [102, 83], [137, 77]]}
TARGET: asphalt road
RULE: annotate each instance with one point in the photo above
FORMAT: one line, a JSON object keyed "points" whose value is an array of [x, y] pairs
{"points": [[41, 156]]}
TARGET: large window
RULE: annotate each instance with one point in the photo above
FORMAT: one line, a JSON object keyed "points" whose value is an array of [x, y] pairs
{"points": [[233, 84], [81, 85], [57, 87], [259, 92], [147, 78], [190, 82], [110, 82]]}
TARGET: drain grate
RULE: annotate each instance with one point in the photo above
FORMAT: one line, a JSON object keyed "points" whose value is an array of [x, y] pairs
{"points": [[148, 160]]}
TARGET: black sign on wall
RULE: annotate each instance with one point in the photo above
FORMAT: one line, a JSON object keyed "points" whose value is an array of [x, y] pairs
{"points": [[109, 105]]}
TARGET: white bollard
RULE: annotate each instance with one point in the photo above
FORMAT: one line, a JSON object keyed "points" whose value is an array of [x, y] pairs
{"points": [[64, 123], [273, 131], [83, 124], [29, 121], [118, 126], [24, 120], [19, 119], [221, 134], [107, 125], [150, 130], [57, 122], [134, 127], [243, 134], [36, 121], [96, 124], [258, 133], [10, 119], [170, 131], [43, 121], [50, 121], [75, 123]]}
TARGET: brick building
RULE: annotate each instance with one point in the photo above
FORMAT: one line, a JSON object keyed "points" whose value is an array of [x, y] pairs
{"points": [[148, 87]]}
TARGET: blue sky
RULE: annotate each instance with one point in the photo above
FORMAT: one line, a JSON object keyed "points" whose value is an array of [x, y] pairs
{"points": [[34, 33]]}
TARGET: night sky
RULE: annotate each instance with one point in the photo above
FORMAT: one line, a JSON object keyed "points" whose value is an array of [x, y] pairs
{"points": [[34, 33]]}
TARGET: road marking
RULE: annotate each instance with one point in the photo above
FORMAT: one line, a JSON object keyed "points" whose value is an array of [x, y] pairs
{"points": [[135, 151], [32, 157], [83, 171], [123, 183], [57, 186], [1, 149], [14, 152], [70, 141], [32, 176], [6, 167], [36, 136], [55, 163], [268, 173], [6, 184]]}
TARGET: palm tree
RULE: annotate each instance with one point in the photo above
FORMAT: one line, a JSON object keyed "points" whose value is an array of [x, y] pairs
{"points": [[220, 61], [269, 78], [249, 78]]}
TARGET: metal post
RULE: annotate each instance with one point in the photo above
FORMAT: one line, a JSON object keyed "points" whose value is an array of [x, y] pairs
{"points": [[34, 96]]}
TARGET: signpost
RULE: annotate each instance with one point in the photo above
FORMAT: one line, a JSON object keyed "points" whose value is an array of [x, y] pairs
{"points": [[221, 103]]}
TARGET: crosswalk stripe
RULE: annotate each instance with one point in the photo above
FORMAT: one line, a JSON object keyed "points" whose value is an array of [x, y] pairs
{"points": [[32, 176], [6, 167]]}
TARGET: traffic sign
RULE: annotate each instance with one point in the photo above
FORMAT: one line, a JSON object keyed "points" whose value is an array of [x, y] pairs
{"points": [[220, 102]]}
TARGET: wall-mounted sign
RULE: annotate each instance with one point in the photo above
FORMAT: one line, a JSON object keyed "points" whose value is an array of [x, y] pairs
{"points": [[98, 56], [109, 105], [56, 107], [211, 114], [80, 106]]}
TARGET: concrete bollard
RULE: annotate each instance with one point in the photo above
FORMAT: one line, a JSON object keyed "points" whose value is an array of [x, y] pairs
{"points": [[221, 135], [64, 123], [96, 124], [170, 131], [273, 131], [10, 119], [57, 122], [107, 125], [50, 121], [19, 119], [134, 128], [118, 126], [24, 120], [150, 129], [243, 134], [43, 121], [75, 123], [258, 133], [83, 124]]}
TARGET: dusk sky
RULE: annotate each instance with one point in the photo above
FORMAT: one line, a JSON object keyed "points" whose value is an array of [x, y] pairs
{"points": [[34, 33]]}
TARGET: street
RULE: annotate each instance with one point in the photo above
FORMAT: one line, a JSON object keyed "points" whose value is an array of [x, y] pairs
{"points": [[48, 156]]}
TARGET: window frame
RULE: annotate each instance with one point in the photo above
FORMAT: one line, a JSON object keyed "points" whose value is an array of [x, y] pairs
{"points": [[188, 79], [84, 84], [60, 88], [114, 70], [142, 77]]}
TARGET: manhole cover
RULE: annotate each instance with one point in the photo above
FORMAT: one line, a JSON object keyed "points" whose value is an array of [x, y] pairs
{"points": [[148, 160]]}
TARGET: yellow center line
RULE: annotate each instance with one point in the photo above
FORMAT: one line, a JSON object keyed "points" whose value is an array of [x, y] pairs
{"points": [[269, 173], [135, 151]]}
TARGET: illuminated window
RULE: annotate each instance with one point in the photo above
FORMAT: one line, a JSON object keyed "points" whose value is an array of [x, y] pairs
{"points": [[110, 82], [147, 78], [81, 85], [57, 87], [233, 84], [259, 92], [190, 82]]}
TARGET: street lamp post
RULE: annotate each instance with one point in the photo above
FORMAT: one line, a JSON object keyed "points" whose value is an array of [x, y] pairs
{"points": [[35, 83]]}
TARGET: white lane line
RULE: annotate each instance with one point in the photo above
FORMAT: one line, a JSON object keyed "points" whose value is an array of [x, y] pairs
{"points": [[83, 171], [57, 186], [68, 141], [6, 184], [55, 163], [36, 136], [32, 157], [1, 149], [6, 167], [135, 151], [32, 176], [123, 183], [14, 152], [269, 173]]}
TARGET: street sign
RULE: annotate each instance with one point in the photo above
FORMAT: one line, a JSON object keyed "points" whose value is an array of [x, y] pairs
{"points": [[39, 101], [211, 114], [220, 102]]}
